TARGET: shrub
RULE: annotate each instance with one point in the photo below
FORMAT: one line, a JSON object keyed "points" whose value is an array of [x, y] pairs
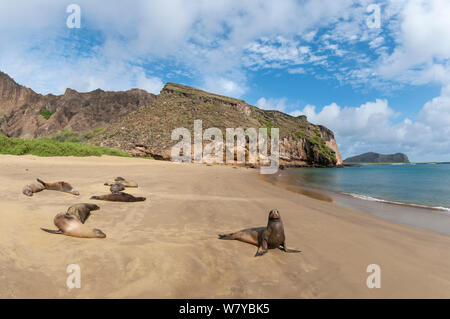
{"points": [[46, 113], [52, 147]]}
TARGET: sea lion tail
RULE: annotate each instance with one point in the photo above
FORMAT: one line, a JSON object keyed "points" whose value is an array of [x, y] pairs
{"points": [[40, 181], [226, 236], [52, 231]]}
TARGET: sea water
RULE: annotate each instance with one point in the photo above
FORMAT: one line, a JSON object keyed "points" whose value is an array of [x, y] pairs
{"points": [[426, 185]]}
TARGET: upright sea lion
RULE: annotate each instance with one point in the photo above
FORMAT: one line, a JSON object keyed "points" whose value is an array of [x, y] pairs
{"points": [[32, 188], [117, 187], [82, 211], [71, 226], [119, 197], [122, 181], [59, 186], [264, 238]]}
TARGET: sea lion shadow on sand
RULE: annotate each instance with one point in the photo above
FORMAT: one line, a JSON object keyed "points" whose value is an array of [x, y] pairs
{"points": [[269, 237]]}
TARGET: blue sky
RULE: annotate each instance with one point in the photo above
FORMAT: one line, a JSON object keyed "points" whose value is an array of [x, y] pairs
{"points": [[380, 87]]}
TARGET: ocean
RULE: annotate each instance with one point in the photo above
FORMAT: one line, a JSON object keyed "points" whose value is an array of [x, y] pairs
{"points": [[423, 185]]}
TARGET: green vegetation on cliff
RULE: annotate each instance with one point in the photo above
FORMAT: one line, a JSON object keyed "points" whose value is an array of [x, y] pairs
{"points": [[46, 113], [51, 147]]}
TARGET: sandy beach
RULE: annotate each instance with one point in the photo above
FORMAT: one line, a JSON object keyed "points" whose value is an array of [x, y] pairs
{"points": [[167, 246]]}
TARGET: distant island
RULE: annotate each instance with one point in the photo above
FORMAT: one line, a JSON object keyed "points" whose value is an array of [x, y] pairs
{"points": [[372, 157]]}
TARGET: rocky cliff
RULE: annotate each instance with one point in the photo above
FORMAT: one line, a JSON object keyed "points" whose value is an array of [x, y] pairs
{"points": [[21, 109], [141, 123], [147, 131]]}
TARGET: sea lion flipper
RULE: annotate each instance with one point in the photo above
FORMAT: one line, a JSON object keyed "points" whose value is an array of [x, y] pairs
{"points": [[264, 246], [226, 236], [285, 249], [260, 252], [52, 231], [40, 181]]}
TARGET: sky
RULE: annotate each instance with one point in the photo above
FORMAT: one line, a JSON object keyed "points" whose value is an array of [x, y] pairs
{"points": [[377, 73]]}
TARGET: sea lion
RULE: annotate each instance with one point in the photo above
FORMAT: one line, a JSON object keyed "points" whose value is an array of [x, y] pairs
{"points": [[122, 181], [70, 226], [119, 197], [82, 211], [59, 186], [264, 238], [32, 188], [117, 187]]}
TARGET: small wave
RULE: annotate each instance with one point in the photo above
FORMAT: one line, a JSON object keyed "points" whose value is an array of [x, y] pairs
{"points": [[442, 208], [373, 199]]}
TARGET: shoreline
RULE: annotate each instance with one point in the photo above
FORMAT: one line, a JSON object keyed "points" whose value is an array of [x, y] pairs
{"points": [[435, 219], [168, 246]]}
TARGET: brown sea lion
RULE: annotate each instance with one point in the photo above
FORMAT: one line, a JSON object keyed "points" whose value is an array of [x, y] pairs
{"points": [[117, 187], [264, 238], [82, 211], [32, 188], [71, 226], [122, 181], [119, 197], [59, 186]]}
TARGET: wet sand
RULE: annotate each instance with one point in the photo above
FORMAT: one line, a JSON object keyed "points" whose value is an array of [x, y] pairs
{"points": [[425, 218], [167, 246]]}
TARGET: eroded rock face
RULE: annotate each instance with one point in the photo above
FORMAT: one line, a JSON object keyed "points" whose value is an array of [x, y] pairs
{"points": [[141, 123], [20, 109]]}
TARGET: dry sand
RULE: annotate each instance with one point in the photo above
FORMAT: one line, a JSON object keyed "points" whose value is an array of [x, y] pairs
{"points": [[167, 246]]}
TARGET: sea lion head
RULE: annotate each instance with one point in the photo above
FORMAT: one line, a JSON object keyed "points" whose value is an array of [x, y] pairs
{"points": [[68, 188], [27, 191], [274, 214], [119, 179], [98, 233], [117, 187]]}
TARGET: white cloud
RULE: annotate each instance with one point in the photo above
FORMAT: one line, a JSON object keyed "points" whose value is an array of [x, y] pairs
{"points": [[297, 71], [150, 84], [206, 38], [423, 44], [272, 104], [374, 126], [224, 86]]}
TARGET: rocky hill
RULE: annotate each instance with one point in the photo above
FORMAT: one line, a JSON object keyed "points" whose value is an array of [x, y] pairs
{"points": [[21, 109], [141, 123], [147, 131], [371, 157]]}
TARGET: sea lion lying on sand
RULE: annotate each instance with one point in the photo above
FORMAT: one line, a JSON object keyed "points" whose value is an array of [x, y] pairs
{"points": [[82, 211], [264, 238], [32, 188], [119, 197], [59, 186], [123, 181], [69, 225]]}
